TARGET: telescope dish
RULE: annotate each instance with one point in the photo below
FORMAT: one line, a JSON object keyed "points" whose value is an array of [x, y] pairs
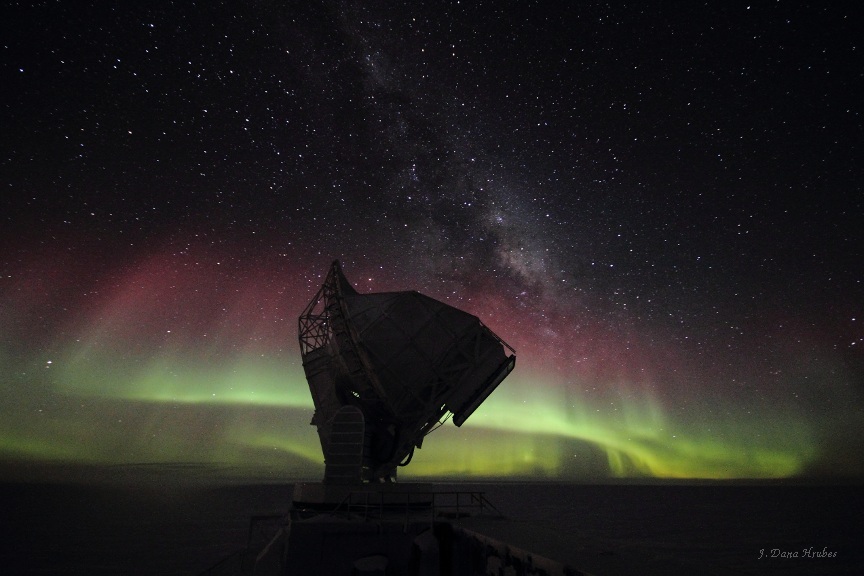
{"points": [[387, 368]]}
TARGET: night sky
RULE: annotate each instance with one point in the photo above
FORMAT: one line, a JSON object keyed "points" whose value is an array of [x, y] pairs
{"points": [[658, 205]]}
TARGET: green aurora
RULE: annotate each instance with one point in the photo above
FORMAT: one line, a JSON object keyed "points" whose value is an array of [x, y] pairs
{"points": [[253, 413]]}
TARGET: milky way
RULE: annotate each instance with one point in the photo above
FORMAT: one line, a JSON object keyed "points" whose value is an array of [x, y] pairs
{"points": [[659, 210]]}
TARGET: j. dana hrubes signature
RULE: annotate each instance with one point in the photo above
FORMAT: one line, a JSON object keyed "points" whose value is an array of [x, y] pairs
{"points": [[803, 553]]}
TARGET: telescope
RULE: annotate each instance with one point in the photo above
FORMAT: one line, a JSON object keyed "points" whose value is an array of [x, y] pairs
{"points": [[387, 368]]}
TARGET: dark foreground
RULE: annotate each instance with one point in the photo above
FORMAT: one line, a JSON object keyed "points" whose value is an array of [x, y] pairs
{"points": [[182, 529]]}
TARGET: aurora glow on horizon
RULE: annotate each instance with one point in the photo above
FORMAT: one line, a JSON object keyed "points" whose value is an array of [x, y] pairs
{"points": [[152, 373], [619, 216]]}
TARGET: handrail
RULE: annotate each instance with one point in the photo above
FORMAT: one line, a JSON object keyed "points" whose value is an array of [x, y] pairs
{"points": [[375, 505], [433, 503]]}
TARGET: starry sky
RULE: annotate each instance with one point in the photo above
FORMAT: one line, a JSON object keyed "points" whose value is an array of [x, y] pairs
{"points": [[658, 205]]}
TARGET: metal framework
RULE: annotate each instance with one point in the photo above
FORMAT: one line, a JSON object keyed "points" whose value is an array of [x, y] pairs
{"points": [[405, 360]]}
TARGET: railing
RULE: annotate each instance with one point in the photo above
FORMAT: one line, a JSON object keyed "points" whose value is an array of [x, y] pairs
{"points": [[409, 506], [413, 505]]}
